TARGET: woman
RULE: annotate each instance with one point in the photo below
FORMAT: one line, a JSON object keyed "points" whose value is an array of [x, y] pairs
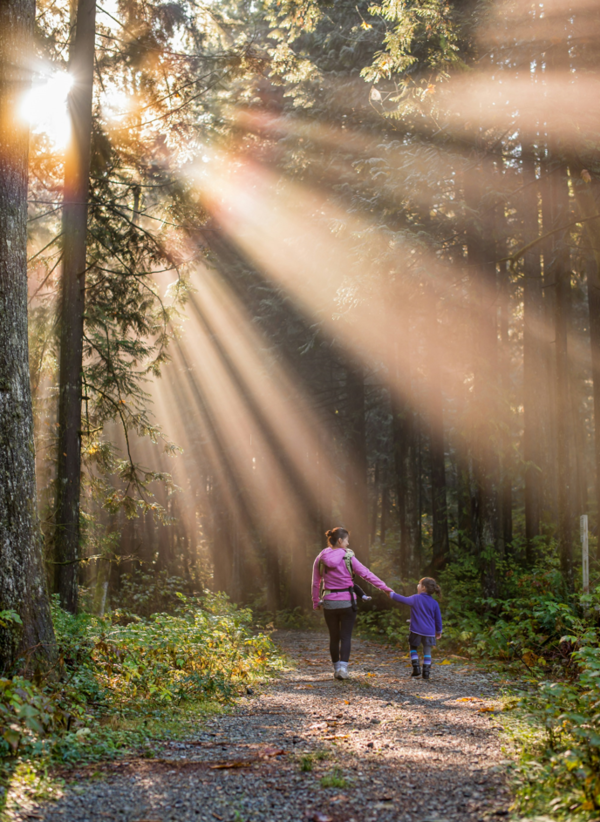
{"points": [[335, 567]]}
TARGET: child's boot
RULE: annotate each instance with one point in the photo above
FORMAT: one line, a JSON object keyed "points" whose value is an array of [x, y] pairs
{"points": [[426, 664], [414, 658]]}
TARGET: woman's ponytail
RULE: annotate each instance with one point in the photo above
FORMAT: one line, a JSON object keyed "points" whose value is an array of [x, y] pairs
{"points": [[336, 534]]}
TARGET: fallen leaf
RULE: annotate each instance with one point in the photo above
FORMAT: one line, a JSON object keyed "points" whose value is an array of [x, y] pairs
{"points": [[321, 817], [225, 765], [469, 699], [272, 752], [487, 709], [445, 662]]}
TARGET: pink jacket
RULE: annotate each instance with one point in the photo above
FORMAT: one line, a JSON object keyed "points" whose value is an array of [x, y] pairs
{"points": [[338, 576]]}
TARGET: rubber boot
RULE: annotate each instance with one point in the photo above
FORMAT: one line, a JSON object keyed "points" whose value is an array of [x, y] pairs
{"points": [[343, 671], [416, 671], [426, 671]]}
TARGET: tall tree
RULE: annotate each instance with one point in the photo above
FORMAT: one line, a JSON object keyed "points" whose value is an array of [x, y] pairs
{"points": [[560, 268], [74, 231], [22, 577], [435, 407], [532, 359]]}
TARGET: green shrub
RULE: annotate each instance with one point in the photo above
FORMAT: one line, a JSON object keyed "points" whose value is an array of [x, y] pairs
{"points": [[145, 594], [560, 765], [123, 665]]}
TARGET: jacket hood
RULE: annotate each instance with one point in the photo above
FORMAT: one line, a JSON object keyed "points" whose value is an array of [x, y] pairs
{"points": [[332, 557]]}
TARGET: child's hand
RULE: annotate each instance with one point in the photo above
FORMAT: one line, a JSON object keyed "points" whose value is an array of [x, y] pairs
{"points": [[390, 592]]}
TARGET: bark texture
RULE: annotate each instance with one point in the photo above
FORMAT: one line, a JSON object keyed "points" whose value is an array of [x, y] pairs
{"points": [[75, 209], [22, 577]]}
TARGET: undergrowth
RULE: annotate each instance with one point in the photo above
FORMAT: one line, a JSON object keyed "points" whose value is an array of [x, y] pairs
{"points": [[119, 678]]}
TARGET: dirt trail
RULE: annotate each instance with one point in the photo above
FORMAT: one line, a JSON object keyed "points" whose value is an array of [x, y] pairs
{"points": [[390, 748]]}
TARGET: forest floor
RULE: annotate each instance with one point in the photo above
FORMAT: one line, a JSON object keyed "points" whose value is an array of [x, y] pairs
{"points": [[380, 746]]}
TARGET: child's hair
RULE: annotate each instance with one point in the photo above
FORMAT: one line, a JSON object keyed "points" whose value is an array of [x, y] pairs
{"points": [[335, 534], [430, 585]]}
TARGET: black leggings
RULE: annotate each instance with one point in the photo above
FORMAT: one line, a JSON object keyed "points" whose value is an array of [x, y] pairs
{"points": [[340, 622]]}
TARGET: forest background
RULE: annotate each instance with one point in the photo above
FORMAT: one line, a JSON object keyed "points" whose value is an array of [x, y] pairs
{"points": [[299, 264]]}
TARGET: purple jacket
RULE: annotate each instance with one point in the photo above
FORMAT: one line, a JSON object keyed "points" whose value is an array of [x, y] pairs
{"points": [[425, 614], [338, 576]]}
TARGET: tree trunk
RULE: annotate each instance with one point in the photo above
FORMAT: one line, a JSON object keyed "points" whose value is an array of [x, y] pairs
{"points": [[533, 436], [486, 464], [356, 507], [559, 191], [506, 530], [74, 226], [435, 411], [22, 579], [585, 188], [407, 474]]}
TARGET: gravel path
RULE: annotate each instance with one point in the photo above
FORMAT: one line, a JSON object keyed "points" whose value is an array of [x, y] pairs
{"points": [[381, 746]]}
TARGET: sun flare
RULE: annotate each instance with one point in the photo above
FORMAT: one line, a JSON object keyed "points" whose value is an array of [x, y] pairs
{"points": [[44, 107]]}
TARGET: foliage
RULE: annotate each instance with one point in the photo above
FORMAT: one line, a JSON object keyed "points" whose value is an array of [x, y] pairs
{"points": [[149, 592], [129, 663], [390, 623], [559, 737], [123, 667]]}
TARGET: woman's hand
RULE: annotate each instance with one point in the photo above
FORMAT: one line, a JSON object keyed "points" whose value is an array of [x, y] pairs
{"points": [[389, 593], [438, 636]]}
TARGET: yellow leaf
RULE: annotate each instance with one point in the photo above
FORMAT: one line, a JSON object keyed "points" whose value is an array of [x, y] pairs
{"points": [[445, 662]]}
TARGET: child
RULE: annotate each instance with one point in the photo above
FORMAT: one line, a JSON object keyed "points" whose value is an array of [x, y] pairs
{"points": [[425, 623]]}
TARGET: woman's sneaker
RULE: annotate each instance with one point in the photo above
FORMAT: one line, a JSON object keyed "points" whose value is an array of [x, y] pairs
{"points": [[343, 671]]}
